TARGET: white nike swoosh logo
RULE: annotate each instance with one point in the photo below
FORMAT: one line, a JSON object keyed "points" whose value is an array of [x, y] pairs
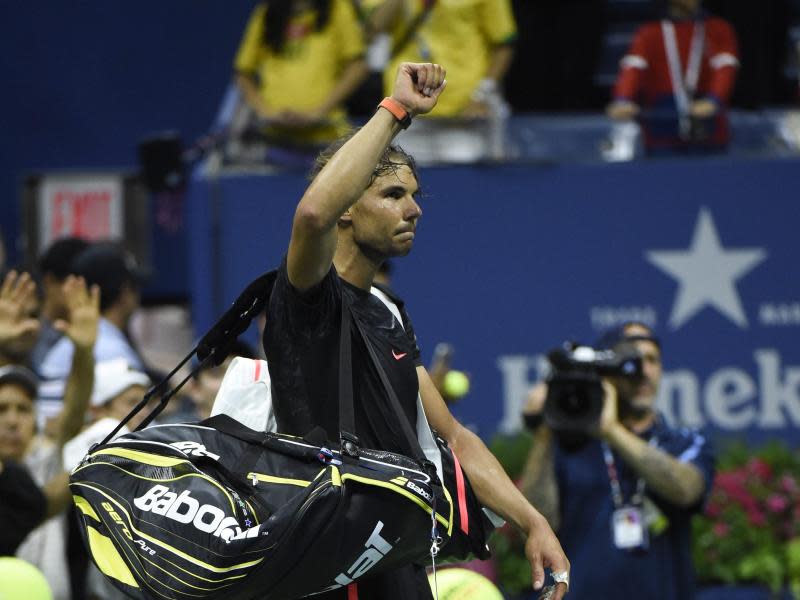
{"points": [[398, 356]]}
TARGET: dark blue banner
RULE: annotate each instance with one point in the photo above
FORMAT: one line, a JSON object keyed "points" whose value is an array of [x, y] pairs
{"points": [[511, 261]]}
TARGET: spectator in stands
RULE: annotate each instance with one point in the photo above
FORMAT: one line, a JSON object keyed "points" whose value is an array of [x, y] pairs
{"points": [[622, 497], [54, 266], [23, 504], [297, 63], [475, 39], [44, 547], [117, 389], [19, 329], [206, 383], [115, 271], [678, 77]]}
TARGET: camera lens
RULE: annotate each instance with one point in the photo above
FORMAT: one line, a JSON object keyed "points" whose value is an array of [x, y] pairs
{"points": [[573, 402]]}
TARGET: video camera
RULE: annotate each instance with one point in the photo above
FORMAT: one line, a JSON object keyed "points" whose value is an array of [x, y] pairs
{"points": [[575, 394]]}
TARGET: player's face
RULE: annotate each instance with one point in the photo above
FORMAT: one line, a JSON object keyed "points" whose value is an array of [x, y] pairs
{"points": [[384, 220]]}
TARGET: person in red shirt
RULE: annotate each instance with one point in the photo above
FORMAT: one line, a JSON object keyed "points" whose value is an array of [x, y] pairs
{"points": [[677, 78]]}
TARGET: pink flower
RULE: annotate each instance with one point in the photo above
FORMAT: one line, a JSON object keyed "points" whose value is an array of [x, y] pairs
{"points": [[732, 485], [789, 484], [721, 529], [731, 481], [759, 468], [777, 503]]}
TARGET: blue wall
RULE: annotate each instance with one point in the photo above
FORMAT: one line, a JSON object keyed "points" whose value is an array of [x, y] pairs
{"points": [[84, 81], [510, 261]]}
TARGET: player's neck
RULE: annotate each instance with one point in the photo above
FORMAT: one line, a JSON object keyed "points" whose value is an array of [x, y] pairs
{"points": [[354, 266]]}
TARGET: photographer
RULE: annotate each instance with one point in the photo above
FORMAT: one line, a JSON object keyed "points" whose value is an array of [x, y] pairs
{"points": [[621, 493]]}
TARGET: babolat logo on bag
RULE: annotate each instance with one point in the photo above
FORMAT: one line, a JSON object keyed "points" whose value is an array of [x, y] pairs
{"points": [[406, 483], [376, 549], [182, 508]]}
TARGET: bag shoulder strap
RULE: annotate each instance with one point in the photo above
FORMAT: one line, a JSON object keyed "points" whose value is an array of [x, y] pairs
{"points": [[408, 432], [347, 420]]}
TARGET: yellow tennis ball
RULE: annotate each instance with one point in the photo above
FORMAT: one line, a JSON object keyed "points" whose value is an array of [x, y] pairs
{"points": [[20, 580], [463, 584], [455, 384]]}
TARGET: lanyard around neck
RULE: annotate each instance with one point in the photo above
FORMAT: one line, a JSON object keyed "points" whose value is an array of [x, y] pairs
{"points": [[613, 478], [684, 87]]}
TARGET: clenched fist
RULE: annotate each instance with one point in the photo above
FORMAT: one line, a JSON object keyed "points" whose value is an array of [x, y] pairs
{"points": [[418, 86]]}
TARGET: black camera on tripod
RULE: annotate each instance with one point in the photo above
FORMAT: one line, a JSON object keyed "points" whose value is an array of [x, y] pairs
{"points": [[574, 388]]}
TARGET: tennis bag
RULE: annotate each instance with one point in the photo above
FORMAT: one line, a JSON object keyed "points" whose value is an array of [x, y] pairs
{"points": [[217, 510]]}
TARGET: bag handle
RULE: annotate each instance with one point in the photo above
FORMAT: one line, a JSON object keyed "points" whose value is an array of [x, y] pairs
{"points": [[212, 348]]}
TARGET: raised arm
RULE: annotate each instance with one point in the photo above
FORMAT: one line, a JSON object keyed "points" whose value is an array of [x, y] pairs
{"points": [[83, 307], [494, 488], [342, 181], [17, 328]]}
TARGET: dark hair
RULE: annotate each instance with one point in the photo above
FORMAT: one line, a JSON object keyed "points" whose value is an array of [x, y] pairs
{"points": [[277, 15], [111, 267], [58, 257], [392, 158]]}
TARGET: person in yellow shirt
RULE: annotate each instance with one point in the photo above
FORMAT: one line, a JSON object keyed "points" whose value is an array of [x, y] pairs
{"points": [[474, 38], [297, 63]]}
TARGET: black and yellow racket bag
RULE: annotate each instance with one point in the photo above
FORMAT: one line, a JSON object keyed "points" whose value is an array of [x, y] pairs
{"points": [[216, 510]]}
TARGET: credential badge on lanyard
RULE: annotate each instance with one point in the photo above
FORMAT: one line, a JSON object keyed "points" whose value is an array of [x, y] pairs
{"points": [[628, 526], [684, 88]]}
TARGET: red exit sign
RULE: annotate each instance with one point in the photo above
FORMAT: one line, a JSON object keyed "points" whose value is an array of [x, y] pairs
{"points": [[86, 206]]}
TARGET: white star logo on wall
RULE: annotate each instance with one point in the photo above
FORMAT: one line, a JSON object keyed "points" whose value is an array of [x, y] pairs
{"points": [[706, 273]]}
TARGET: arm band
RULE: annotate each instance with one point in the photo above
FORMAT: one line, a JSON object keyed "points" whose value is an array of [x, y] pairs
{"points": [[397, 110]]}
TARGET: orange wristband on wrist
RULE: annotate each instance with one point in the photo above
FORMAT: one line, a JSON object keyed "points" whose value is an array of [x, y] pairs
{"points": [[397, 110]]}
